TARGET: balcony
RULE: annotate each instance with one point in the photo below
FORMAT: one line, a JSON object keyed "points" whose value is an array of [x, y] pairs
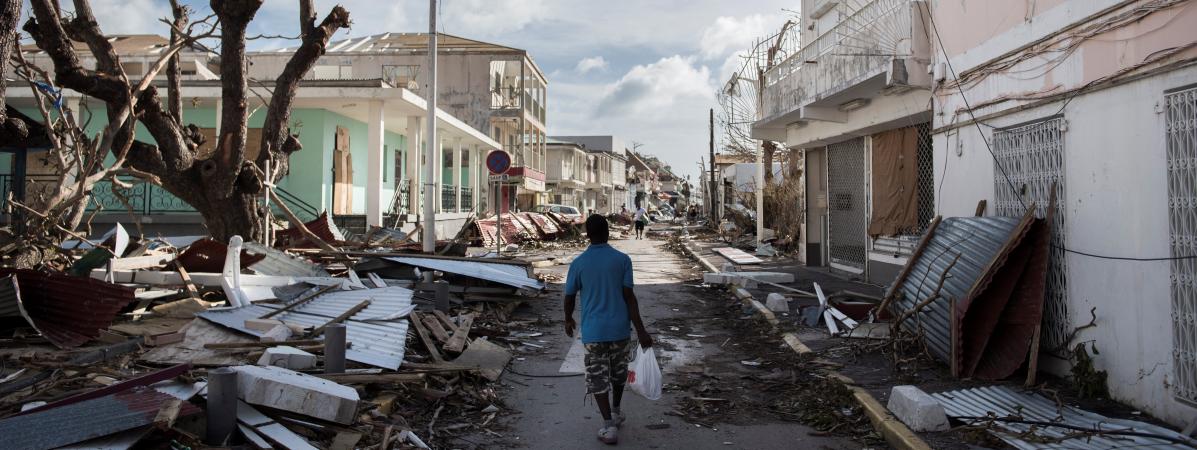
{"points": [[880, 49], [509, 101]]}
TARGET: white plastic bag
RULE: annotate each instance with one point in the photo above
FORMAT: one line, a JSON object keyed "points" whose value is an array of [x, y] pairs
{"points": [[644, 375]]}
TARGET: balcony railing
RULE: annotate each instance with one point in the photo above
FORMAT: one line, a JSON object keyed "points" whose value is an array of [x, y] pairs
{"points": [[143, 198], [449, 198], [467, 198], [860, 46]]}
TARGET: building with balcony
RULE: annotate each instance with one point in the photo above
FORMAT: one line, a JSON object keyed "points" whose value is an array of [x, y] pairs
{"points": [[1097, 98], [359, 161], [854, 98], [607, 191], [567, 173], [642, 181], [490, 87]]}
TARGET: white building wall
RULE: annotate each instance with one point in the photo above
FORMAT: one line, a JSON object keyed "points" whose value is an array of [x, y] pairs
{"points": [[1116, 204]]}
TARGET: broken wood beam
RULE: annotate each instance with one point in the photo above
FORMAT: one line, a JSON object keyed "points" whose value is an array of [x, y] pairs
{"points": [[450, 327], [341, 318], [301, 301], [423, 334], [434, 326], [236, 345], [457, 342]]}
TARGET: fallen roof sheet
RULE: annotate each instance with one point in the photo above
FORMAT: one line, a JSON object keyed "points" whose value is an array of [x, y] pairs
{"points": [[52, 304], [208, 256], [737, 256], [278, 262], [86, 420], [143, 380], [10, 305], [989, 286], [377, 334], [323, 227], [513, 275], [978, 405]]}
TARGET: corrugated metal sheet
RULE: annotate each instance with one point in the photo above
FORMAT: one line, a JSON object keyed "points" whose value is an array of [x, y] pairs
{"points": [[207, 256], [56, 307], [979, 241], [1003, 402], [509, 274], [278, 262], [376, 334], [323, 227], [126, 385], [86, 420]]}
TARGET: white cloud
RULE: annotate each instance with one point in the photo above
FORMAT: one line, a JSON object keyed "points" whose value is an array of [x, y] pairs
{"points": [[114, 15], [728, 34], [591, 63], [654, 89], [488, 17]]}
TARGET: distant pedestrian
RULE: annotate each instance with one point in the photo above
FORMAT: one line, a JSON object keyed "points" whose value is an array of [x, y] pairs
{"points": [[603, 276], [641, 219]]}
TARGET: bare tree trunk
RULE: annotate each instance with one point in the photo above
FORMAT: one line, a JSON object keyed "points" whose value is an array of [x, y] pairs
{"points": [[224, 188], [770, 148], [11, 129]]}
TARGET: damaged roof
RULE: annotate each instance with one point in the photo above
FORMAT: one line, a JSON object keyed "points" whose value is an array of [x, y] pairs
{"points": [[513, 275], [52, 304], [377, 335], [86, 420]]}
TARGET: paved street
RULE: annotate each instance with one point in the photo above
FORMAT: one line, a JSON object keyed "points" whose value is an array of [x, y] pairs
{"points": [[553, 412]]}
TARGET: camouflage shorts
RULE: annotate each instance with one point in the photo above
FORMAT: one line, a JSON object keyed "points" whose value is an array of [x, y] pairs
{"points": [[606, 365]]}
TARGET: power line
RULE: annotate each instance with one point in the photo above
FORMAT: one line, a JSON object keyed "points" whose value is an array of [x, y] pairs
{"points": [[998, 163]]}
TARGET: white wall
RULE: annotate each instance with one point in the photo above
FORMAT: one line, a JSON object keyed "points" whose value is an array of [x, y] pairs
{"points": [[1116, 198]]}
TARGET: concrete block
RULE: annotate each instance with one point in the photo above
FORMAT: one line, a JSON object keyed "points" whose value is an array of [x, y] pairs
{"points": [[768, 277], [729, 267], [287, 358], [741, 293], [917, 410], [744, 282], [777, 303], [262, 324], [277, 334], [288, 390], [715, 278]]}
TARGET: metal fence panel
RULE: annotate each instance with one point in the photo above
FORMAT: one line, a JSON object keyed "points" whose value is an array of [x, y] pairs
{"points": [[1029, 159], [1181, 139], [846, 208]]}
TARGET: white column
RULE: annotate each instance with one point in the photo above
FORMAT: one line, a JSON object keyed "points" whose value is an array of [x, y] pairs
{"points": [[438, 161], [476, 165], [414, 150], [374, 161], [457, 171]]}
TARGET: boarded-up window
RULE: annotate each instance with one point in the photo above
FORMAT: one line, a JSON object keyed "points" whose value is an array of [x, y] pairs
{"points": [[253, 143], [895, 182], [342, 173]]}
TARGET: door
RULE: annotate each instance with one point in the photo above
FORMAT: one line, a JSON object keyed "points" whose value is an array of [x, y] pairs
{"points": [[846, 206], [342, 174]]}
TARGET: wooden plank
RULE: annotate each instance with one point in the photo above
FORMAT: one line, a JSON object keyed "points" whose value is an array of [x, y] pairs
{"points": [[737, 256], [236, 345], [458, 340], [186, 277], [1033, 359], [301, 301], [341, 318], [450, 327], [434, 326], [980, 212], [423, 333]]}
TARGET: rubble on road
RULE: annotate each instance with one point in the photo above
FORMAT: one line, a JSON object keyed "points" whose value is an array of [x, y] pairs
{"points": [[426, 337]]}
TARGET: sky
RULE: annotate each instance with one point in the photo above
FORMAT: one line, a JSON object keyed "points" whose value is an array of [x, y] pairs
{"points": [[646, 71]]}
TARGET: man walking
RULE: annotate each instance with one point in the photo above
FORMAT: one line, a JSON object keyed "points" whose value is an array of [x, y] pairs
{"points": [[603, 275], [640, 219]]}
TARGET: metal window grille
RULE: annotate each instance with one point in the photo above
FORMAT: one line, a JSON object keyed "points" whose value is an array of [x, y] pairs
{"points": [[926, 162], [1181, 129], [1032, 159], [847, 217]]}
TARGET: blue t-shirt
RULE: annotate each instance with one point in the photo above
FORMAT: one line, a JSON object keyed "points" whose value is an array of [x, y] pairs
{"points": [[601, 273]]}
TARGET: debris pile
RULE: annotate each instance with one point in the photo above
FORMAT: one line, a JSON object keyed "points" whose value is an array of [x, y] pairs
{"points": [[320, 340]]}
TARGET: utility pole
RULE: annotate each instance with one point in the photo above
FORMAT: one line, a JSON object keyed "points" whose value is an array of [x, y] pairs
{"points": [[714, 188], [429, 234]]}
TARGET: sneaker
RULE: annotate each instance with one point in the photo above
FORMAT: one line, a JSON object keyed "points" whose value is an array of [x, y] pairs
{"points": [[608, 435]]}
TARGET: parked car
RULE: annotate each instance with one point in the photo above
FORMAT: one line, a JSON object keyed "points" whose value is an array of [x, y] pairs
{"points": [[567, 211]]}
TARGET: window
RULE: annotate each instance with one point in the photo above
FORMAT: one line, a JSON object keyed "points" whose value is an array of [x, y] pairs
{"points": [[1032, 156], [1181, 129], [403, 76]]}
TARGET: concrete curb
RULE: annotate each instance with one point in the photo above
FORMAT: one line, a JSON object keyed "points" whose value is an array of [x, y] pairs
{"points": [[896, 433]]}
